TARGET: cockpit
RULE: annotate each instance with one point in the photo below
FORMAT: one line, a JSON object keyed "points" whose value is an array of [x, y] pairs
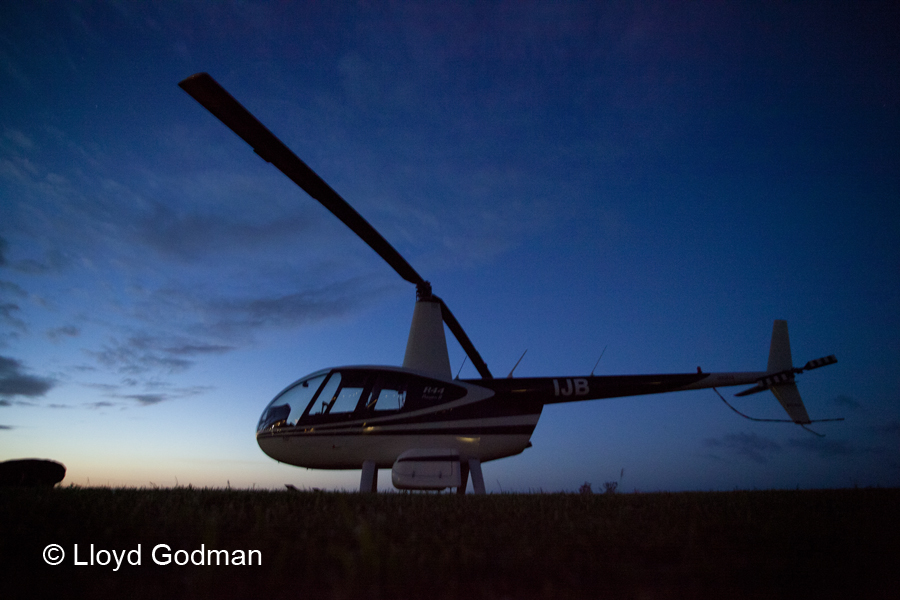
{"points": [[349, 393]]}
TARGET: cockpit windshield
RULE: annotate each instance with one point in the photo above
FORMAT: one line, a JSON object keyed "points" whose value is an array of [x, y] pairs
{"points": [[287, 406], [353, 393]]}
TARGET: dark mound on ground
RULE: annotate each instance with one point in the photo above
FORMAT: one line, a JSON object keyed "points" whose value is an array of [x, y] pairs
{"points": [[31, 472]]}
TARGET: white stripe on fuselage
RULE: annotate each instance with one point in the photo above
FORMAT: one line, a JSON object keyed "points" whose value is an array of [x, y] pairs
{"points": [[362, 427]]}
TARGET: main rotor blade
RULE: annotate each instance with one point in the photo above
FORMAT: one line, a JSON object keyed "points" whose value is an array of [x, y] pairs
{"points": [[464, 341], [213, 97]]}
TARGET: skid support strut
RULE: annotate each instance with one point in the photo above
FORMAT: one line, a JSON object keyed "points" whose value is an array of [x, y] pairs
{"points": [[477, 477], [369, 480]]}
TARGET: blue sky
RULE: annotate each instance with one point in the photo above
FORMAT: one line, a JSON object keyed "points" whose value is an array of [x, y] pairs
{"points": [[660, 181]]}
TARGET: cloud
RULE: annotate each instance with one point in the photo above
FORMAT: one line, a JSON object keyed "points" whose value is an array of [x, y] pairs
{"points": [[6, 316], [211, 322], [830, 448], [53, 262], [199, 349], [191, 236], [748, 445], [15, 382], [151, 398], [6, 427], [19, 139], [100, 404], [146, 399], [844, 401], [298, 308], [183, 327], [824, 447], [65, 331], [154, 392], [8, 287], [13, 71], [145, 352], [138, 355], [890, 428]]}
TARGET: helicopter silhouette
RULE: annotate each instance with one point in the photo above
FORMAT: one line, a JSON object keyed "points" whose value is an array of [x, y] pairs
{"points": [[431, 429]]}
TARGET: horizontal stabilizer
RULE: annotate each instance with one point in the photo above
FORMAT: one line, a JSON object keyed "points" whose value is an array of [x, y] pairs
{"points": [[754, 390], [769, 381]]}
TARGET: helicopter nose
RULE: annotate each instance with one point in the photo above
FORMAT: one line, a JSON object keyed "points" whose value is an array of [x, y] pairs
{"points": [[273, 415]]}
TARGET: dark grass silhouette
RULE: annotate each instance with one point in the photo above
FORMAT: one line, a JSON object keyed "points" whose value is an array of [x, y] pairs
{"points": [[787, 544]]}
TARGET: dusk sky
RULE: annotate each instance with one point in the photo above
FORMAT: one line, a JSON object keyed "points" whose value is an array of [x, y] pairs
{"points": [[659, 180]]}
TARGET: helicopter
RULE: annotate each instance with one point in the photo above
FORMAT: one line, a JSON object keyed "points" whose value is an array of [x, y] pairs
{"points": [[433, 430]]}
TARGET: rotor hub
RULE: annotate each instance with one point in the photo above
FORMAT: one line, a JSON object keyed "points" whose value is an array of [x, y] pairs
{"points": [[423, 291]]}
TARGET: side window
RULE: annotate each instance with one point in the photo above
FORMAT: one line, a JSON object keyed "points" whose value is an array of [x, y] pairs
{"points": [[341, 394], [347, 399], [386, 394], [325, 398]]}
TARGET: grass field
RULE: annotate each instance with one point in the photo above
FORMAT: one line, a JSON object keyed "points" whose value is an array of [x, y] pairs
{"points": [[797, 544]]}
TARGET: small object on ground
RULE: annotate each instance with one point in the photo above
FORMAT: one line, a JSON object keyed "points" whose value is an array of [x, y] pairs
{"points": [[31, 472]]}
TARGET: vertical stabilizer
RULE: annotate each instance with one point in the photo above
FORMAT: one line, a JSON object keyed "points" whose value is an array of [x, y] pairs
{"points": [[426, 348], [780, 361], [780, 349]]}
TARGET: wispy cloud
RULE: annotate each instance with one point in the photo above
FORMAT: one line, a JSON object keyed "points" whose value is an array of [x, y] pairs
{"points": [[19, 139], [146, 399], [296, 308], [155, 352], [11, 68], [824, 447], [61, 332], [191, 235], [153, 392], [167, 394], [7, 316], [747, 445], [220, 321], [53, 261], [848, 403], [9, 288], [138, 355], [193, 349], [100, 404], [880, 442], [889, 428]]}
